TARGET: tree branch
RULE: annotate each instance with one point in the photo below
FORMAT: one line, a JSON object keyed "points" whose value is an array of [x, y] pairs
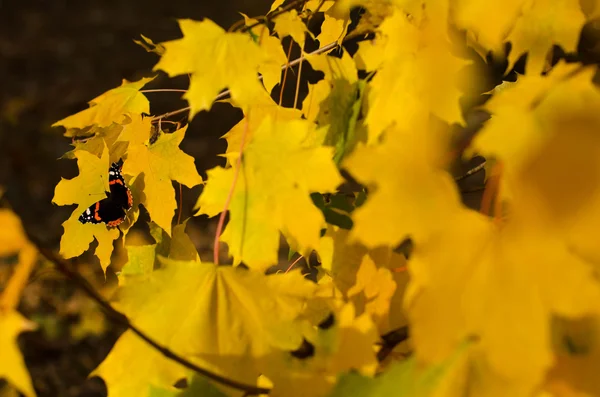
{"points": [[63, 266], [471, 172]]}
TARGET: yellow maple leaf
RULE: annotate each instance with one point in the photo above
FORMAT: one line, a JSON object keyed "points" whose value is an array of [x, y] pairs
{"points": [[14, 241], [332, 102], [235, 60], [225, 319], [276, 4], [542, 24], [290, 24], [270, 69], [556, 139], [373, 292], [408, 194], [279, 171], [102, 137], [374, 280], [12, 365], [264, 107], [487, 23], [87, 188], [478, 278], [409, 85], [333, 30], [161, 163], [111, 106]]}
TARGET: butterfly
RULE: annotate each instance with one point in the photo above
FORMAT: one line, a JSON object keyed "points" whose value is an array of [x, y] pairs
{"points": [[112, 209]]}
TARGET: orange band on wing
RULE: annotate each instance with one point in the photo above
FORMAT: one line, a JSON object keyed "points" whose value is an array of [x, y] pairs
{"points": [[120, 182], [129, 198], [115, 223], [96, 213]]}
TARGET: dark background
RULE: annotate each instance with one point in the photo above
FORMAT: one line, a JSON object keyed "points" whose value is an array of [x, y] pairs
{"points": [[55, 56]]}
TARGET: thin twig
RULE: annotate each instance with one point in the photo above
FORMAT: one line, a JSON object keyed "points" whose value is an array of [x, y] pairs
{"points": [[226, 93], [285, 72], [298, 83], [471, 172], [163, 90], [180, 204], [63, 266], [265, 19], [294, 263]]}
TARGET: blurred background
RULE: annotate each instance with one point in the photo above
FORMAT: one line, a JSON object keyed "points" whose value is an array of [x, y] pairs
{"points": [[55, 56]]}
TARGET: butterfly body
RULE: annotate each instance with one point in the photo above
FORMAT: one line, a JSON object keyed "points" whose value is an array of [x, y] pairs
{"points": [[112, 209]]}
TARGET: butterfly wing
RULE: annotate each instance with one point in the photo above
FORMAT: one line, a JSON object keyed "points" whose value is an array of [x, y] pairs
{"points": [[112, 209]]}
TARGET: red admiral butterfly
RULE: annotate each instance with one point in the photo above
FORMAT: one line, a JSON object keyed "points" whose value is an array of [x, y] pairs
{"points": [[111, 210]]}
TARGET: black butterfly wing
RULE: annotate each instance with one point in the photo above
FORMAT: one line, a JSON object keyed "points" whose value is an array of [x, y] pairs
{"points": [[112, 209], [107, 210]]}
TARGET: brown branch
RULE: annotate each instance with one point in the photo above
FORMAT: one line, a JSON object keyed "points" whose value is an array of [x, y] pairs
{"points": [[63, 266], [471, 172]]}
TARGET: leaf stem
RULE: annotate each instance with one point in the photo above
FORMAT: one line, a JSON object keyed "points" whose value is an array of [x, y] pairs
{"points": [[294, 263], [180, 204], [163, 90], [298, 82], [285, 72], [236, 173]]}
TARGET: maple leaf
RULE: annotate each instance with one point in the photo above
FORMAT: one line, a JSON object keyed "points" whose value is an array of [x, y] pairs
{"points": [[290, 24], [409, 86], [270, 69], [333, 29], [369, 278], [408, 194], [161, 163], [12, 236], [487, 23], [542, 24], [140, 263], [279, 171], [84, 190], [276, 4], [557, 140], [12, 365], [102, 138], [234, 63], [148, 45], [264, 107], [480, 278], [14, 241], [332, 102], [111, 106], [142, 259], [222, 318]]}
